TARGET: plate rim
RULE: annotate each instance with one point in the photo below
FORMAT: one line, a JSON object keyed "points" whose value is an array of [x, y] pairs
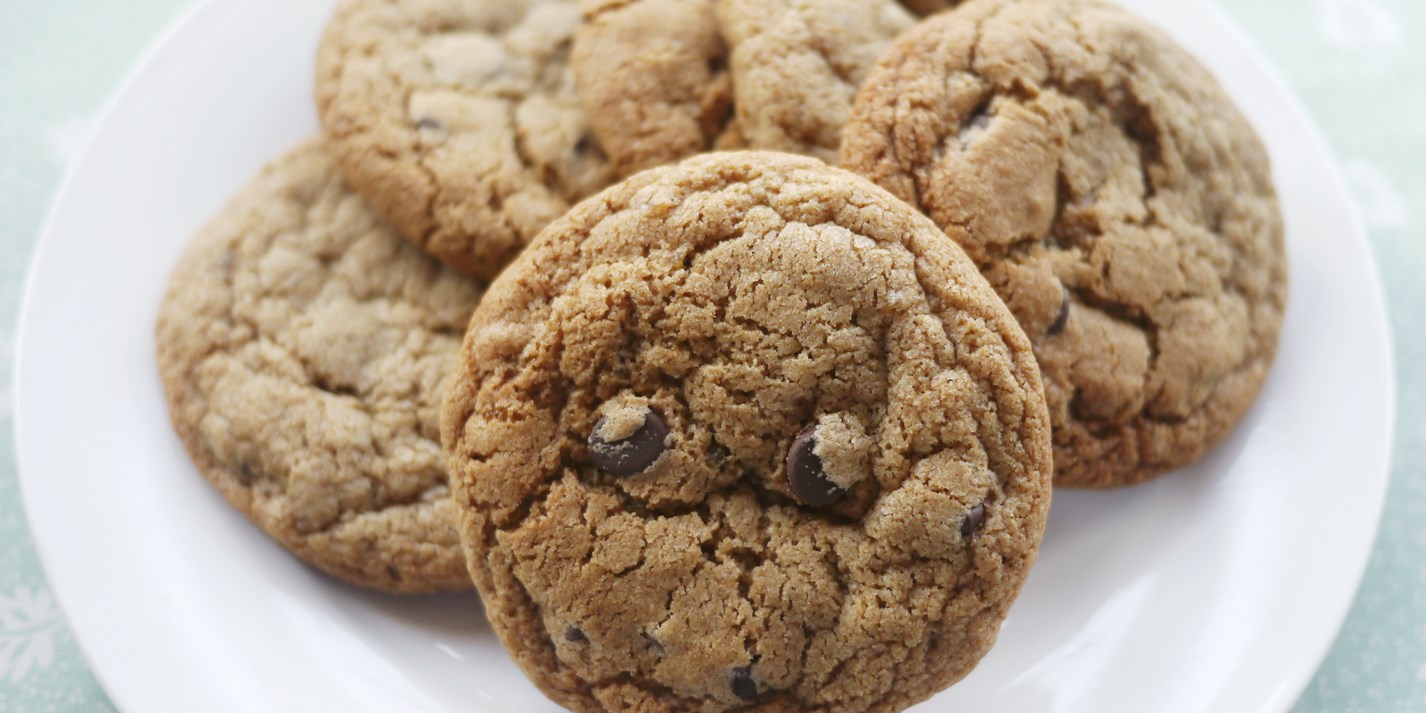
{"points": [[1288, 694], [160, 43], [164, 40]]}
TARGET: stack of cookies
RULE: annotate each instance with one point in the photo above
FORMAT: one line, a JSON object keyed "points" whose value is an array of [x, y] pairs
{"points": [[572, 300]]}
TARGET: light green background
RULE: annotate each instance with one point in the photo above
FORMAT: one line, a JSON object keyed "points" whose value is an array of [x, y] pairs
{"points": [[1360, 65]]}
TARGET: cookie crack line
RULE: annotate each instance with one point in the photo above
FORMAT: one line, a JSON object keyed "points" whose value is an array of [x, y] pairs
{"points": [[429, 496], [352, 397], [564, 388], [590, 686], [740, 556], [918, 174], [820, 45], [408, 92], [279, 412], [1118, 96]]}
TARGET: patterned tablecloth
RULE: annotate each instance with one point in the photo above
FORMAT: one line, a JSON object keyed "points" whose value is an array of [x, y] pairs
{"points": [[1360, 66]]}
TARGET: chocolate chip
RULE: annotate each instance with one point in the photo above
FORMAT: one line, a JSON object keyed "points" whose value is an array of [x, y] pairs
{"points": [[427, 122], [573, 634], [633, 454], [1063, 318], [974, 520], [718, 453], [743, 684], [804, 472]]}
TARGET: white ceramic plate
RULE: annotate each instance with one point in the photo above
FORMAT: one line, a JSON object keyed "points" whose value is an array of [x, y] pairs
{"points": [[1215, 589]]}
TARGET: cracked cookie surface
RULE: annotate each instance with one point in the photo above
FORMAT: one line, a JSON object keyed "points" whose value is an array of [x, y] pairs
{"points": [[797, 64], [1116, 199], [652, 76], [303, 346], [746, 432], [459, 120]]}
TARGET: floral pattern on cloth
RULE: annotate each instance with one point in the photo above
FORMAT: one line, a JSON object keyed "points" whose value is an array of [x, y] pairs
{"points": [[28, 622]]}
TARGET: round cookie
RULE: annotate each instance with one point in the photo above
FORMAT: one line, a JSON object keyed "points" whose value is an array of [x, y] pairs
{"points": [[746, 432], [303, 347], [459, 120], [652, 77], [797, 65], [1116, 199]]}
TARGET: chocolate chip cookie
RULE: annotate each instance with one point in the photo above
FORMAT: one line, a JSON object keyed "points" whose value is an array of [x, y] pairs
{"points": [[653, 79], [1116, 199], [459, 120], [797, 65], [303, 346], [746, 432]]}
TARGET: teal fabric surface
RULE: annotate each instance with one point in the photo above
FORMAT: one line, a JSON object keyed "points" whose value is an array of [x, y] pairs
{"points": [[1359, 65]]}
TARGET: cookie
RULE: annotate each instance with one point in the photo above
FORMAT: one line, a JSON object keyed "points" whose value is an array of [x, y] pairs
{"points": [[1116, 199], [797, 65], [746, 432], [303, 347], [653, 80], [459, 120]]}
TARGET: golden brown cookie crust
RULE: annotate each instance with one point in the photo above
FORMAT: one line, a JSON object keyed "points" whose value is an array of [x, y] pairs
{"points": [[302, 346], [743, 297], [459, 120], [797, 64], [652, 77], [1115, 197]]}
